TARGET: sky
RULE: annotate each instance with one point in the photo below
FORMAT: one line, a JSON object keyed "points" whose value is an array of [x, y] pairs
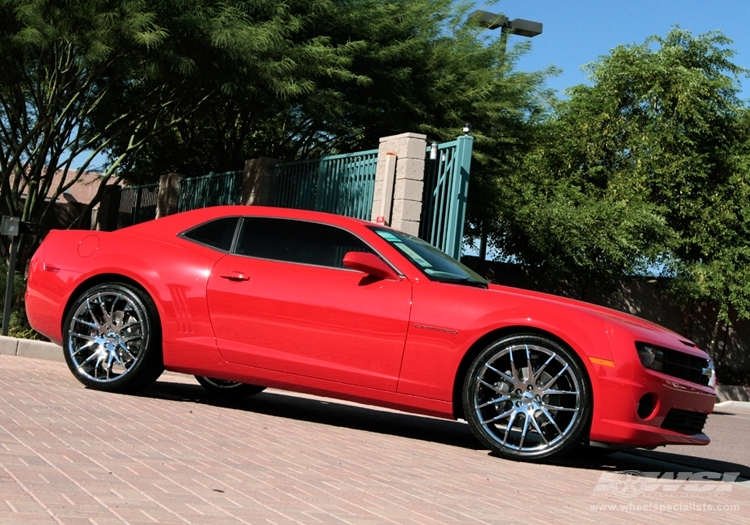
{"points": [[577, 32]]}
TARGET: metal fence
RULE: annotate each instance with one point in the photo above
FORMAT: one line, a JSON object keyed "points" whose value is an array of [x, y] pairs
{"points": [[446, 187], [136, 204], [210, 190], [341, 184]]}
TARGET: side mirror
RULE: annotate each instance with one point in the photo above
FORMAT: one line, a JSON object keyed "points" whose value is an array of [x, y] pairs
{"points": [[370, 264]]}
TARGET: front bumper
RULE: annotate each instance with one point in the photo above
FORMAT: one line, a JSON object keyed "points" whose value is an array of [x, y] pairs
{"points": [[639, 407]]}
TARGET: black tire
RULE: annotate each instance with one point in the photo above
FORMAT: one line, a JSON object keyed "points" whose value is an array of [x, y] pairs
{"points": [[230, 389], [112, 338], [527, 398]]}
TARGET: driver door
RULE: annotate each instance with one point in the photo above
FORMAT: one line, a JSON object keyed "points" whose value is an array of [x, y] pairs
{"points": [[284, 301]]}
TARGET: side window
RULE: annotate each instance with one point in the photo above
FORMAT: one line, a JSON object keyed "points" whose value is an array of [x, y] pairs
{"points": [[297, 241], [216, 234]]}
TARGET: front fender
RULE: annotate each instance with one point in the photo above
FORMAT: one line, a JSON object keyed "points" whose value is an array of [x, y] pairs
{"points": [[450, 323]]}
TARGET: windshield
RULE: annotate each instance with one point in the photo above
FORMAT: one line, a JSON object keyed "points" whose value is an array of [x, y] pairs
{"points": [[436, 265]]}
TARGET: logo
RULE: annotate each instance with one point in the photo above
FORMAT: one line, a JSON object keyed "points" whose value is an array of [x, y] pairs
{"points": [[628, 483], [632, 483], [436, 329]]}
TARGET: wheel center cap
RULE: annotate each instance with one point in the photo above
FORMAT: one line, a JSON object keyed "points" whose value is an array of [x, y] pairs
{"points": [[527, 398]]}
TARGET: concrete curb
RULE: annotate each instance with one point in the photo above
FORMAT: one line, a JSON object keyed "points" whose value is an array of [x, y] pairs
{"points": [[28, 348], [737, 405]]}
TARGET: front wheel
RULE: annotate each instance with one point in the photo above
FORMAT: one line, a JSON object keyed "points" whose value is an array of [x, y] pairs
{"points": [[527, 397], [112, 338], [225, 388]]}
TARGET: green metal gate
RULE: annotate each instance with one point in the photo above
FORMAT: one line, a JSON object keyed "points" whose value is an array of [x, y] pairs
{"points": [[341, 184], [213, 189], [446, 187]]}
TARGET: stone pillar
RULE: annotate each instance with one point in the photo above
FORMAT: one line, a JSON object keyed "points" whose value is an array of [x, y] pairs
{"points": [[410, 151], [166, 200], [257, 181]]}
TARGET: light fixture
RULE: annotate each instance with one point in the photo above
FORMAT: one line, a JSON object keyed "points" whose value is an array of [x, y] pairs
{"points": [[517, 26]]}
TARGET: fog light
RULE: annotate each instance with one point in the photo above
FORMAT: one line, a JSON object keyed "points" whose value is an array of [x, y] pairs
{"points": [[646, 406]]}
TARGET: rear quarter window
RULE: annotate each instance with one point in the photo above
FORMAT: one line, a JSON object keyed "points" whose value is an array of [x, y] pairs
{"points": [[217, 234]]}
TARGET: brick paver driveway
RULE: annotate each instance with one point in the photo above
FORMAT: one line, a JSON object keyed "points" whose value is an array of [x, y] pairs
{"points": [[174, 455]]}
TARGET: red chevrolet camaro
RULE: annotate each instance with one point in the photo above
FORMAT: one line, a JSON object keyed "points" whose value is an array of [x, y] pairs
{"points": [[249, 297]]}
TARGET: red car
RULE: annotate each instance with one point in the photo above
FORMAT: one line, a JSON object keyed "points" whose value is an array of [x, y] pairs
{"points": [[251, 297]]}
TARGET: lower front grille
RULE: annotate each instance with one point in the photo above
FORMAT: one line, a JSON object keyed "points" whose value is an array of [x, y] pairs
{"points": [[684, 422]]}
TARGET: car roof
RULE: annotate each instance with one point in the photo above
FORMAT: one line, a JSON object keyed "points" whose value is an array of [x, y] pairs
{"points": [[177, 223]]}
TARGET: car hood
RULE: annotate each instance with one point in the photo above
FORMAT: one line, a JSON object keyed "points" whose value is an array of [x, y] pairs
{"points": [[601, 311]]}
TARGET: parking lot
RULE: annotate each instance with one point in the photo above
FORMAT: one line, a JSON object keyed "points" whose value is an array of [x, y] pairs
{"points": [[174, 454]]}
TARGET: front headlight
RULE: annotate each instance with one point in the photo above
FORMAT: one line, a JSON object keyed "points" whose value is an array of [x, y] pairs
{"points": [[651, 357], [674, 363]]}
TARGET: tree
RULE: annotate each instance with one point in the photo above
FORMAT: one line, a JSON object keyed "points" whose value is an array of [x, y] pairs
{"points": [[645, 169], [413, 66], [103, 76]]}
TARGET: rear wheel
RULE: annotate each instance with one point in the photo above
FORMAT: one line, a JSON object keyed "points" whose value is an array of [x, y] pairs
{"points": [[226, 388], [112, 338], [527, 397]]}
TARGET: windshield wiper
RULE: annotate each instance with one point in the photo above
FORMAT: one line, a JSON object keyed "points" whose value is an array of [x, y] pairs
{"points": [[462, 280]]}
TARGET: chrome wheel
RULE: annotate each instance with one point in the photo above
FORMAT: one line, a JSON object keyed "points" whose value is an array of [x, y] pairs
{"points": [[109, 337], [228, 388], [527, 397]]}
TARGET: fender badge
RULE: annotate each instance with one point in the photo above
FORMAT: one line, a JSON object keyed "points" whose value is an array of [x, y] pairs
{"points": [[436, 329]]}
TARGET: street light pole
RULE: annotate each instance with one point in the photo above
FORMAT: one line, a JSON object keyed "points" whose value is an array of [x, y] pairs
{"points": [[518, 26]]}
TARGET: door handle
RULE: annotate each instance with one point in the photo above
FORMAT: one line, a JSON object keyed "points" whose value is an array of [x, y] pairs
{"points": [[236, 276]]}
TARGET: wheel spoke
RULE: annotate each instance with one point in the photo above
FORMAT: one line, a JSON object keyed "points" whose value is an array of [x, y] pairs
{"points": [[510, 412], [133, 322], [84, 347], [86, 323], [509, 426], [491, 386], [82, 336], [525, 430], [538, 428], [93, 315], [110, 361], [131, 338], [103, 310], [500, 399], [554, 379], [501, 374], [559, 392], [94, 355], [560, 409], [112, 310], [528, 364], [513, 366], [551, 419], [541, 369], [127, 350]]}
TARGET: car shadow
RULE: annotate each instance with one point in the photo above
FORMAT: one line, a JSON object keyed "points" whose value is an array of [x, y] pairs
{"points": [[327, 412], [654, 461], [447, 432]]}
